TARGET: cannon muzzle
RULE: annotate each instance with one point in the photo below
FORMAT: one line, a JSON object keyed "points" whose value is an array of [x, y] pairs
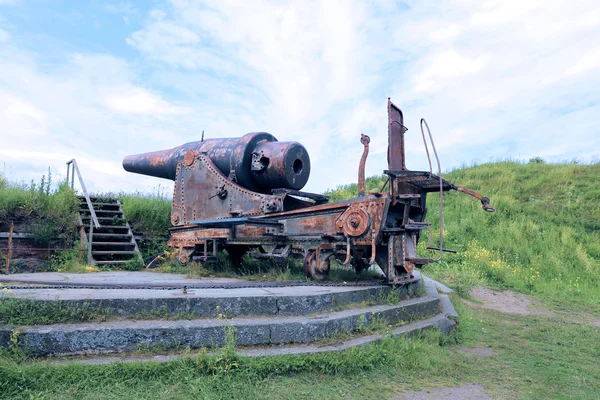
{"points": [[257, 160]]}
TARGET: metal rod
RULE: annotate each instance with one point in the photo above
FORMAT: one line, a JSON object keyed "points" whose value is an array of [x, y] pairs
{"points": [[68, 172], [90, 260], [426, 147], [441, 186], [364, 139], [85, 193], [9, 250]]}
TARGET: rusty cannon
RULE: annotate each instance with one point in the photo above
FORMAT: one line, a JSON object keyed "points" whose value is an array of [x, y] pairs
{"points": [[243, 195]]}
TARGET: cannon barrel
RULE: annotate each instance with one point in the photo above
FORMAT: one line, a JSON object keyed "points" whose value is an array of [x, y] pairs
{"points": [[259, 162]]}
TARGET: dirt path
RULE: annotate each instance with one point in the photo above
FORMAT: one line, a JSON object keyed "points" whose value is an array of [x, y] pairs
{"points": [[507, 302], [510, 302], [464, 392]]}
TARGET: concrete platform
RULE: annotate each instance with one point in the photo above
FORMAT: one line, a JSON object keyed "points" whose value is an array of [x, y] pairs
{"points": [[258, 316], [201, 303]]}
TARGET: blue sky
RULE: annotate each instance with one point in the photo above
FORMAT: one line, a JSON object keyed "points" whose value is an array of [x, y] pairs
{"points": [[97, 81]]}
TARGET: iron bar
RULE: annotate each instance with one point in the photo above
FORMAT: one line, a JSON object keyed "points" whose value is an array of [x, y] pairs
{"points": [[441, 186]]}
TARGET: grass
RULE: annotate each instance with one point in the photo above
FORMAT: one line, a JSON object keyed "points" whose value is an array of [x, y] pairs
{"points": [[19, 312], [535, 357], [543, 239], [50, 214], [150, 216]]}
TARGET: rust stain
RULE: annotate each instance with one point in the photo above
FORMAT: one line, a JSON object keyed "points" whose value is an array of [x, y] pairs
{"points": [[243, 194]]}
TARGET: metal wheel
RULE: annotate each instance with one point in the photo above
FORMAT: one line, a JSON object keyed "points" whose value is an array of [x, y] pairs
{"points": [[311, 269]]}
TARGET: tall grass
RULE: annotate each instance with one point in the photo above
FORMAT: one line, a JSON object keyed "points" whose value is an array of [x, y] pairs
{"points": [[544, 236], [150, 216], [49, 213]]}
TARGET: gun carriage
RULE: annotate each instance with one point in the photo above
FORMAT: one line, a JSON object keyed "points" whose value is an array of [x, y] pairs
{"points": [[244, 194]]}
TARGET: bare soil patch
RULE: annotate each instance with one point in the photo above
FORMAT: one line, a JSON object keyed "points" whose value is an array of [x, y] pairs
{"points": [[507, 302], [464, 392], [479, 351]]}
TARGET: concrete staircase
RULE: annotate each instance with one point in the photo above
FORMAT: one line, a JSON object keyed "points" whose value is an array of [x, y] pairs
{"points": [[276, 320], [111, 243]]}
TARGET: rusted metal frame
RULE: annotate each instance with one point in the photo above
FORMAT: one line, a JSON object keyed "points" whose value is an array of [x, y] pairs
{"points": [[9, 249], [391, 248], [373, 247], [309, 210], [317, 198], [364, 139], [396, 129], [85, 193], [348, 248], [253, 202]]}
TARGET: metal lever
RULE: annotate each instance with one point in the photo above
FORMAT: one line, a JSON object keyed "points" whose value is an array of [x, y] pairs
{"points": [[364, 139], [485, 202]]}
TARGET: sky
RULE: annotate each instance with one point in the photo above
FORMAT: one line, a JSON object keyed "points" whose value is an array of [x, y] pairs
{"points": [[97, 81]]}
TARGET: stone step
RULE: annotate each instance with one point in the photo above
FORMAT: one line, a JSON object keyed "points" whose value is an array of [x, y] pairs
{"points": [[104, 227], [88, 217], [87, 211], [101, 204], [95, 199], [119, 336], [115, 244], [440, 321], [112, 262], [205, 302], [112, 235], [110, 252]]}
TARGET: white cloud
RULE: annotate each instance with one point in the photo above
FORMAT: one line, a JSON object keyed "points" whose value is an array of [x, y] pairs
{"points": [[90, 109], [319, 72], [495, 79], [588, 62], [136, 100]]}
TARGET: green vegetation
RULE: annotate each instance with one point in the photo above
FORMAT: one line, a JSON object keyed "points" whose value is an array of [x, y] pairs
{"points": [[543, 239], [18, 312], [150, 216], [48, 214], [535, 357]]}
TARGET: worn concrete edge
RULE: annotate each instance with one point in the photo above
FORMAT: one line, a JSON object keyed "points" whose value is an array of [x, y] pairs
{"points": [[440, 321], [108, 337], [119, 336], [440, 286], [230, 306]]}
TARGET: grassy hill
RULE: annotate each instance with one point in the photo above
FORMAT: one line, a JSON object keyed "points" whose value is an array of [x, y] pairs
{"points": [[544, 236], [543, 240]]}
